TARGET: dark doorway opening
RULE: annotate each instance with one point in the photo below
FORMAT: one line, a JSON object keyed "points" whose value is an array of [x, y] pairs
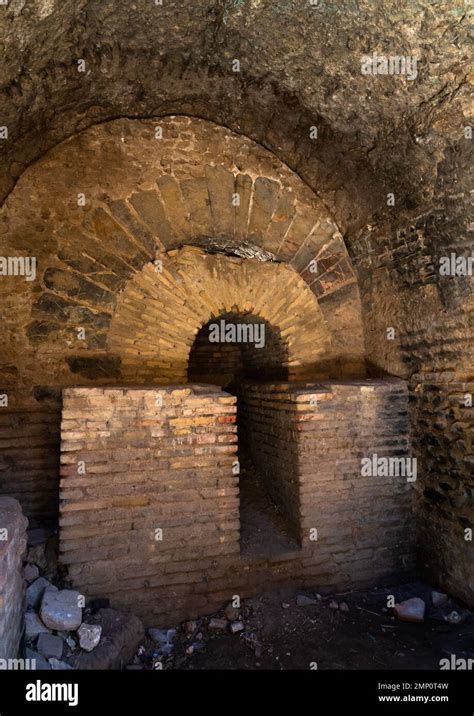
{"points": [[258, 353]]}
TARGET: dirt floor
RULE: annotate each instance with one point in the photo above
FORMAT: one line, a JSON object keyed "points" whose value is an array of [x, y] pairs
{"points": [[263, 528], [295, 629], [279, 634], [306, 630]]}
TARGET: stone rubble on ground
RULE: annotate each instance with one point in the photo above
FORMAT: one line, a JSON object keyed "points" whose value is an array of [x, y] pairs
{"points": [[41, 664], [162, 636], [37, 555], [50, 645], [411, 610], [121, 636], [57, 664], [303, 601], [236, 627], [164, 639], [57, 635], [89, 636], [30, 573], [60, 609], [60, 612], [454, 618], [190, 627], [231, 613], [36, 590], [34, 626], [438, 599]]}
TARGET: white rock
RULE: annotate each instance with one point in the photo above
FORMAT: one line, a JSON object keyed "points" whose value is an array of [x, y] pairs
{"points": [[235, 627], [302, 600], [454, 618], [333, 605], [162, 636], [411, 610], [344, 607], [60, 609], [89, 636]]}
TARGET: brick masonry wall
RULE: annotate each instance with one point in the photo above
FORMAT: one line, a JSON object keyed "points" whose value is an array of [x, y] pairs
{"points": [[225, 363], [308, 442], [12, 585], [443, 438], [137, 461], [176, 475], [159, 315], [29, 456], [398, 266], [219, 364], [149, 340]]}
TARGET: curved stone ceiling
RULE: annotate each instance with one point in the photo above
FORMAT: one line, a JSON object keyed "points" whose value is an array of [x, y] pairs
{"points": [[98, 208], [299, 66]]}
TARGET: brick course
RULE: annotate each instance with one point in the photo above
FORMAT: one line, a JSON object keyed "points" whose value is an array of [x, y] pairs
{"points": [[12, 585], [176, 475]]}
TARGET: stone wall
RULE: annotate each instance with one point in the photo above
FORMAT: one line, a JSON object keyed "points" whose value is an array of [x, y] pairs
{"points": [[443, 438], [398, 264], [170, 467], [12, 585]]}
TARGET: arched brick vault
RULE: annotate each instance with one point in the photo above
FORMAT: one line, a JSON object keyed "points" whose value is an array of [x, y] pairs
{"points": [[299, 68], [156, 195], [145, 198], [400, 288], [300, 65], [158, 316]]}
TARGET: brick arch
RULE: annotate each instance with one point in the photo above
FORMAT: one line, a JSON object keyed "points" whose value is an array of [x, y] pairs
{"points": [[261, 355], [144, 198], [160, 313]]}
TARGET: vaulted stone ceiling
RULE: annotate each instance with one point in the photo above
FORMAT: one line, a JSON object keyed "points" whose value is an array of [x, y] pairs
{"points": [[116, 199], [300, 66]]}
